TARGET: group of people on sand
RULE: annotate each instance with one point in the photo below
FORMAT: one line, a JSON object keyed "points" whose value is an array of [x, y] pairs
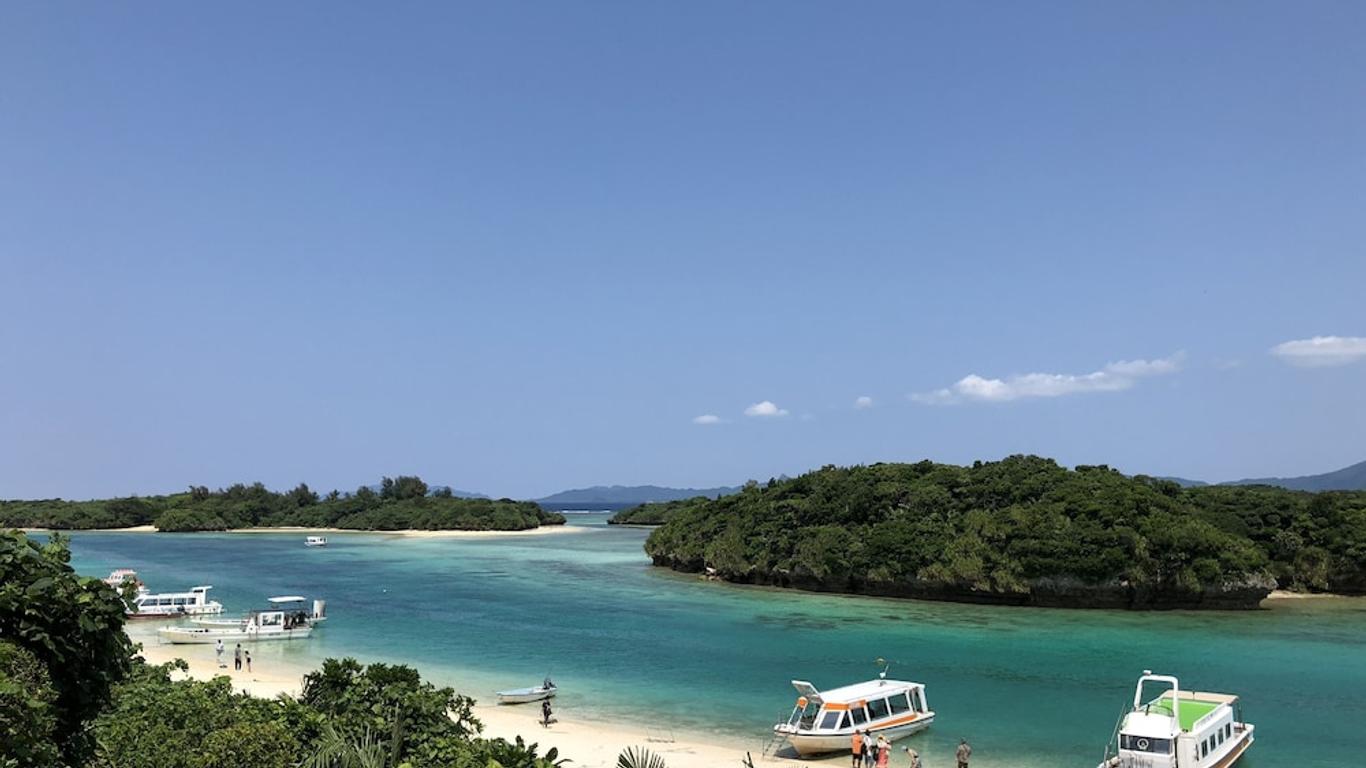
{"points": [[237, 656], [869, 752]]}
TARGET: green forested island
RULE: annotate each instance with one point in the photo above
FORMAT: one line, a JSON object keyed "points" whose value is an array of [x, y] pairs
{"points": [[1024, 531], [401, 503]]}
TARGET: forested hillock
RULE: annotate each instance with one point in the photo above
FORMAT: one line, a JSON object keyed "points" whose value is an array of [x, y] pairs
{"points": [[401, 503], [1024, 530]]}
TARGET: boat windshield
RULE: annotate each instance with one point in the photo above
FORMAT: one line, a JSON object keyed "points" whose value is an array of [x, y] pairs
{"points": [[804, 715], [1145, 744]]}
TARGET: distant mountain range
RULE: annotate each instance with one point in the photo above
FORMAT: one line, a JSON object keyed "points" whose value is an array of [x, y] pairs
{"points": [[1351, 478], [456, 492], [631, 494]]}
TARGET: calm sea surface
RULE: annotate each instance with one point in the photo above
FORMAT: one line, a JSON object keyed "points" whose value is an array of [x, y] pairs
{"points": [[628, 642]]}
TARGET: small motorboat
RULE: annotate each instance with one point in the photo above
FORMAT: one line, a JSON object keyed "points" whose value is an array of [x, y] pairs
{"points": [[546, 690], [315, 541], [824, 721], [1179, 728]]}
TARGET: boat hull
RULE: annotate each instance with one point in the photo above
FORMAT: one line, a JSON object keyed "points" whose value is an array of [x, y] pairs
{"points": [[808, 744], [206, 635], [525, 696]]}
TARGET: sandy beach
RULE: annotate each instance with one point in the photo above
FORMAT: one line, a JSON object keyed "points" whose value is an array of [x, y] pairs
{"points": [[589, 743]]}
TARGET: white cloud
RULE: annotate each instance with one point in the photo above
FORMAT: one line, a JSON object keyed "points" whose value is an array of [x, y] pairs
{"points": [[765, 409], [706, 419], [1322, 351], [1112, 378], [864, 402]]}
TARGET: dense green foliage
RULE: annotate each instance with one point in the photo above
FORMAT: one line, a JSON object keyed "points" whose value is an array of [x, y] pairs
{"points": [[401, 503], [655, 512], [72, 626], [1021, 530], [28, 710], [348, 714]]}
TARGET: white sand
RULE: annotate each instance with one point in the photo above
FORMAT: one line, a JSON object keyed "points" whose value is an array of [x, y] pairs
{"points": [[589, 743]]}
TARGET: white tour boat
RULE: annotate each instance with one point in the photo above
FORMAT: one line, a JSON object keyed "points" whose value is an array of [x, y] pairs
{"points": [[174, 605], [824, 721], [315, 541], [120, 576], [279, 622], [546, 690], [1178, 729]]}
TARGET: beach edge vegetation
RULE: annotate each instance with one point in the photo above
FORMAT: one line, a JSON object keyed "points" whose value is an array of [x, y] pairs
{"points": [[1020, 531], [75, 694], [401, 503]]}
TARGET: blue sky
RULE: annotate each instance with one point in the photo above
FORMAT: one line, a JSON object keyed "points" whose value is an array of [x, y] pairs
{"points": [[516, 247]]}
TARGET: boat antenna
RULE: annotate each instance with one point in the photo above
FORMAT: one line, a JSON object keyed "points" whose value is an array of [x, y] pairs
{"points": [[886, 665]]}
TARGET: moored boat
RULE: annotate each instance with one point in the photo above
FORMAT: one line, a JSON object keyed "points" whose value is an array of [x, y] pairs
{"points": [[315, 541], [824, 721], [546, 690], [174, 605], [118, 577], [279, 622], [1178, 729]]}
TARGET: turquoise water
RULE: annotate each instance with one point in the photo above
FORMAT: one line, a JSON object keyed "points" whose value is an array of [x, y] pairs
{"points": [[1029, 687]]}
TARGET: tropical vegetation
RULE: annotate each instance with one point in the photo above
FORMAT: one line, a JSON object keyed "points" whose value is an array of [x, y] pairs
{"points": [[655, 512], [74, 694], [1023, 530], [402, 503]]}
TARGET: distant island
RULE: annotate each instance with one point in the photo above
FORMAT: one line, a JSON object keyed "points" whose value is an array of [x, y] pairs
{"points": [[1022, 531], [1351, 478], [401, 503], [616, 495]]}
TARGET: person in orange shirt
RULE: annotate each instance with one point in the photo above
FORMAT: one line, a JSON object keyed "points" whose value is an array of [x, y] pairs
{"points": [[857, 745]]}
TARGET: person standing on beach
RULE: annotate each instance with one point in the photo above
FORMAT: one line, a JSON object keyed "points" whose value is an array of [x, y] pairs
{"points": [[884, 751], [545, 713], [963, 753], [237, 658], [248, 654], [857, 746], [869, 750], [218, 652]]}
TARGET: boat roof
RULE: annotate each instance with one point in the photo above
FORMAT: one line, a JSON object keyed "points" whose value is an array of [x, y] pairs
{"points": [[1194, 706], [849, 694], [286, 599]]}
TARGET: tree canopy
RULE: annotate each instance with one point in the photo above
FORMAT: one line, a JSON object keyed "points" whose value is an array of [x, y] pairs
{"points": [[1022, 530], [402, 503], [71, 626]]}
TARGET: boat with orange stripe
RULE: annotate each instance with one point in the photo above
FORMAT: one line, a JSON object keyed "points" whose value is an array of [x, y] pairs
{"points": [[824, 721]]}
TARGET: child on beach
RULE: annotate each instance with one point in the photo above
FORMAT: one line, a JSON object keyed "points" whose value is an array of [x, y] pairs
{"points": [[248, 662]]}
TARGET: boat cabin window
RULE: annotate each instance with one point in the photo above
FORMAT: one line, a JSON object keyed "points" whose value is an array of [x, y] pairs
{"points": [[877, 709], [271, 619], [859, 717], [1145, 744], [831, 721], [918, 697], [899, 703]]}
